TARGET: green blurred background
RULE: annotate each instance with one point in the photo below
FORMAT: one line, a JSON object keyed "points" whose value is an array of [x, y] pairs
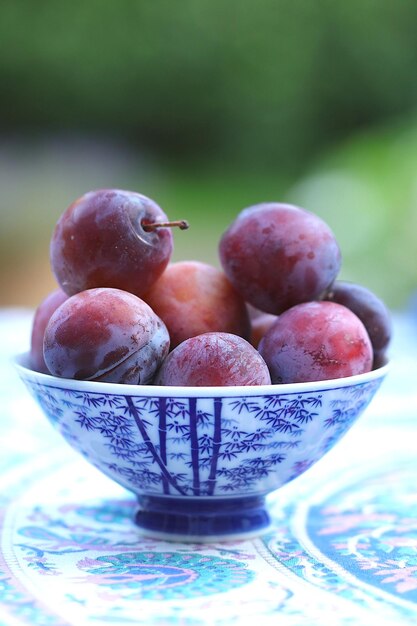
{"points": [[209, 106]]}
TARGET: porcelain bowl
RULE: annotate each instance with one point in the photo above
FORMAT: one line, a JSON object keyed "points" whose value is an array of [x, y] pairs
{"points": [[201, 459]]}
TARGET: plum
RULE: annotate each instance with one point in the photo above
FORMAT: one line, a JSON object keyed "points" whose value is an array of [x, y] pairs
{"points": [[213, 359], [193, 298], [259, 326], [111, 238], [316, 341], [370, 309], [279, 255], [106, 335], [40, 320]]}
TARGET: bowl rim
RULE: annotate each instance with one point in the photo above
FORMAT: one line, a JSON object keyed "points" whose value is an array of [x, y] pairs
{"points": [[21, 363]]}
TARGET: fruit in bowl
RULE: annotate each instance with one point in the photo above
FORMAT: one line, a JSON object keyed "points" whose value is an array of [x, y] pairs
{"points": [[169, 380], [111, 238], [316, 341], [193, 298], [278, 255], [105, 334]]}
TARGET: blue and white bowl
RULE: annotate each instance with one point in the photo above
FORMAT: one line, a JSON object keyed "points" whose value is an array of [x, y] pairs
{"points": [[201, 459]]}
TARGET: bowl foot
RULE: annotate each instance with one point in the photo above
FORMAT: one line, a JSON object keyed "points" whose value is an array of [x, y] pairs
{"points": [[202, 519]]}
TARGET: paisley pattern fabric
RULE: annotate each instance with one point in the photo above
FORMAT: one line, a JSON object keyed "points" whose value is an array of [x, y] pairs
{"points": [[342, 548]]}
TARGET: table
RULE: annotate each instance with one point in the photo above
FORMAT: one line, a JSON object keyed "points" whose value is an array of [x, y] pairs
{"points": [[342, 548]]}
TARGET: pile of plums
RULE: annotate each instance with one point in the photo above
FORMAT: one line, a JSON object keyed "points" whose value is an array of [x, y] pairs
{"points": [[275, 312]]}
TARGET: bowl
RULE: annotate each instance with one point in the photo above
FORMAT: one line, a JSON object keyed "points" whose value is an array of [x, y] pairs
{"points": [[201, 460]]}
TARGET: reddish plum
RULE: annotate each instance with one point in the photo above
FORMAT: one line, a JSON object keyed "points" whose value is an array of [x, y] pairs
{"points": [[259, 326], [193, 298], [40, 320], [279, 255], [316, 341], [370, 309], [105, 335], [102, 240], [213, 359]]}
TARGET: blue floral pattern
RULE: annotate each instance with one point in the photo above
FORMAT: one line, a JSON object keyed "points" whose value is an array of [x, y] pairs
{"points": [[105, 568], [375, 541], [200, 446], [167, 575]]}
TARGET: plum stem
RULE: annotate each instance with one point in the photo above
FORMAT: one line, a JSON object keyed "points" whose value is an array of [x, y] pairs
{"points": [[181, 224]]}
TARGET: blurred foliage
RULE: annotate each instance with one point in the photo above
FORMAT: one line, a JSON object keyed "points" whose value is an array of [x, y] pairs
{"points": [[365, 189], [266, 83], [209, 106]]}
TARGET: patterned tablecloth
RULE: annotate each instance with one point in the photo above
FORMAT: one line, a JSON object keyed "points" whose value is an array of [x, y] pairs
{"points": [[342, 549]]}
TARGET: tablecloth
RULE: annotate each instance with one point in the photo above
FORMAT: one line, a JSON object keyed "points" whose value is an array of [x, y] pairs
{"points": [[342, 548]]}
